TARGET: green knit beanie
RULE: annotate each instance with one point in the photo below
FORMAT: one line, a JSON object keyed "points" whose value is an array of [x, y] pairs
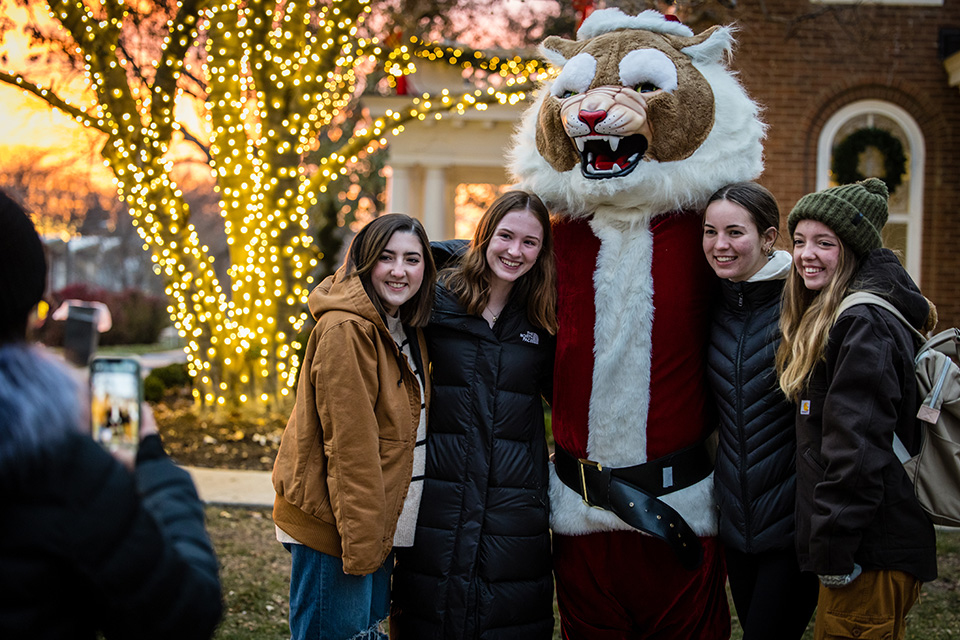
{"points": [[855, 212]]}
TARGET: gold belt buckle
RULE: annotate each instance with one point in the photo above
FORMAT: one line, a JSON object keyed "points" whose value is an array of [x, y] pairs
{"points": [[583, 480]]}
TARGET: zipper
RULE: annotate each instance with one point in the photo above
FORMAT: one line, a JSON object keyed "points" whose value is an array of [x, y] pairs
{"points": [[741, 435]]}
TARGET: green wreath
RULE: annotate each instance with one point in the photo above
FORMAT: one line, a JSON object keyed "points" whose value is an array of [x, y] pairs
{"points": [[846, 157]]}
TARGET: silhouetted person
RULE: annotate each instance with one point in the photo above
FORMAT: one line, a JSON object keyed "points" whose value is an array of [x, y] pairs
{"points": [[86, 545]]}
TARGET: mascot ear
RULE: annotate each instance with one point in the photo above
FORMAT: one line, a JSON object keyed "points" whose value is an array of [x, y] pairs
{"points": [[557, 51], [712, 45]]}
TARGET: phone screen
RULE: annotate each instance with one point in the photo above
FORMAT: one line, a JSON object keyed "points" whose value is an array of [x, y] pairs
{"points": [[115, 402]]}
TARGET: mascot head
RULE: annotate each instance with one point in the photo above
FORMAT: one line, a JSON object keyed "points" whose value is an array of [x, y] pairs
{"points": [[643, 116]]}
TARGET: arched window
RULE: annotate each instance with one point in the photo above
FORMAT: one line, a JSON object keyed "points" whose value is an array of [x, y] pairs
{"points": [[881, 124]]}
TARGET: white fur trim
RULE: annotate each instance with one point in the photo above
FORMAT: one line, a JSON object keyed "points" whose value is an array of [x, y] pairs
{"points": [[648, 65], [569, 516], [607, 20], [576, 76], [716, 48], [623, 285]]}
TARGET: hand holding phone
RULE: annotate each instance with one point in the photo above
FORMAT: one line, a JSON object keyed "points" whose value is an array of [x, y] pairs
{"points": [[115, 403]]}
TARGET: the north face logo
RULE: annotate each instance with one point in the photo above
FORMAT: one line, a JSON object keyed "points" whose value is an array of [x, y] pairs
{"points": [[530, 337]]}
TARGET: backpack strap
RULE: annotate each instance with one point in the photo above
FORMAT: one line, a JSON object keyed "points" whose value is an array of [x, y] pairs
{"points": [[865, 297]]}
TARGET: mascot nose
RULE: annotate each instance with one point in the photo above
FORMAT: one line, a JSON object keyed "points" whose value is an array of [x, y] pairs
{"points": [[592, 118]]}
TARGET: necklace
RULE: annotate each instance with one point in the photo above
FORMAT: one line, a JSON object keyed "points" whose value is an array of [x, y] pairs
{"points": [[489, 313]]}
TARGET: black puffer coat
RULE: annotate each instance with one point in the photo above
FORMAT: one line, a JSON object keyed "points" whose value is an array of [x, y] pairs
{"points": [[755, 474], [855, 503], [480, 566]]}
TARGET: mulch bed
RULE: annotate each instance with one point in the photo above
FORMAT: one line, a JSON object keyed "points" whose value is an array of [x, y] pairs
{"points": [[227, 442]]}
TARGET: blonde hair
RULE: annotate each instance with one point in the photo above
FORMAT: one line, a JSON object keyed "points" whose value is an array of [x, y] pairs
{"points": [[470, 279], [805, 321]]}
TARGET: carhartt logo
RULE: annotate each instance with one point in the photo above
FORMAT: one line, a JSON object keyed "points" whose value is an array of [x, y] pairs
{"points": [[804, 407], [530, 337]]}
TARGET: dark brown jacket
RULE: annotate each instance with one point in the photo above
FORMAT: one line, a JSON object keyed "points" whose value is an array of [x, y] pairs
{"points": [[854, 500]]}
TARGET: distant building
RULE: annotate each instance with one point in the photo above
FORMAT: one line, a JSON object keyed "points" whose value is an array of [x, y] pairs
{"points": [[104, 262]]}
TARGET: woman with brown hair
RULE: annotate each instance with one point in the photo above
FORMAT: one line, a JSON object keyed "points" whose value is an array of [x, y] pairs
{"points": [[481, 557], [755, 476], [348, 472]]}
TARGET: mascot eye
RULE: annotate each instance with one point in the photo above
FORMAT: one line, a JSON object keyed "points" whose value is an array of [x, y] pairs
{"points": [[569, 93], [646, 87]]}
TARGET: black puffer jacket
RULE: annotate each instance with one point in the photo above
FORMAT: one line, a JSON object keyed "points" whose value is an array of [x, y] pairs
{"points": [[755, 474], [480, 566], [86, 546], [855, 502]]}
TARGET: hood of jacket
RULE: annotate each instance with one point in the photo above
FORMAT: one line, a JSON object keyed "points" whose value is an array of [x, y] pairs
{"points": [[343, 292], [881, 273], [777, 268]]}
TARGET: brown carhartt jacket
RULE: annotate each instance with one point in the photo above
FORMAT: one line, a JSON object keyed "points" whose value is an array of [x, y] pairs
{"points": [[346, 456]]}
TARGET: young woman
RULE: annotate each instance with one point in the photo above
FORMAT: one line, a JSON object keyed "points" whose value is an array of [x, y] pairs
{"points": [[480, 563], [859, 525], [755, 475], [355, 438]]}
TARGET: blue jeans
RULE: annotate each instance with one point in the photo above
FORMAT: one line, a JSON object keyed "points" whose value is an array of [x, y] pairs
{"points": [[328, 604]]}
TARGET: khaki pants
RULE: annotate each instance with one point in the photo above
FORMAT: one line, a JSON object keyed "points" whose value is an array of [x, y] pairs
{"points": [[872, 607]]}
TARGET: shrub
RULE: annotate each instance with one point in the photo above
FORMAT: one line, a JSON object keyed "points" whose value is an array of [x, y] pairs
{"points": [[159, 380], [153, 389]]}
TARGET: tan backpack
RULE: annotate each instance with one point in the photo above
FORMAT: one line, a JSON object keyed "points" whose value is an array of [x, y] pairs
{"points": [[935, 471]]}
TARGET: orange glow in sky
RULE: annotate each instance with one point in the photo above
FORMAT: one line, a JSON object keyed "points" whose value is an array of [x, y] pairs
{"points": [[30, 123]]}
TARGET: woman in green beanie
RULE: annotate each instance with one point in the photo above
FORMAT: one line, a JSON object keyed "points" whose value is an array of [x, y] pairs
{"points": [[859, 525]]}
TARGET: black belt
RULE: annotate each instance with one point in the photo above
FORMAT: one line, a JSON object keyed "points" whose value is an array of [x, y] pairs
{"points": [[631, 493]]}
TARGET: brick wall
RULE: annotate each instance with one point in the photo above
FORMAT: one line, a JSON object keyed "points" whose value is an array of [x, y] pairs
{"points": [[804, 61]]}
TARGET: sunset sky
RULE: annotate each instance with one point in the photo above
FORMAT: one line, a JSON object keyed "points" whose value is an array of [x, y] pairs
{"points": [[31, 124]]}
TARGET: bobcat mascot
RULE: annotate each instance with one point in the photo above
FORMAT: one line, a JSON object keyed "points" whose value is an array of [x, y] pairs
{"points": [[641, 125]]}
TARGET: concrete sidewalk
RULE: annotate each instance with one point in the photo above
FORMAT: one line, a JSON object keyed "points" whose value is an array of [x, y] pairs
{"points": [[233, 487]]}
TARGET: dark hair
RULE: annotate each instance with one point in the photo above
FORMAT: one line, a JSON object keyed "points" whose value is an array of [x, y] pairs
{"points": [[23, 269], [470, 279], [365, 251], [756, 200]]}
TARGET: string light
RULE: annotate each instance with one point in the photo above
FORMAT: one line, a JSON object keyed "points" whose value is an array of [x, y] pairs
{"points": [[277, 76]]}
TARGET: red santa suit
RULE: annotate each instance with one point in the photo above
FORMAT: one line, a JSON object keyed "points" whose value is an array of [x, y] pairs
{"points": [[662, 297]]}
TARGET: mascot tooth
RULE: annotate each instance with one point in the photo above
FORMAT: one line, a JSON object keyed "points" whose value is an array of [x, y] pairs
{"points": [[643, 122]]}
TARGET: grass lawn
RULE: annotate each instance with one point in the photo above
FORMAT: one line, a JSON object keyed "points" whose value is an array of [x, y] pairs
{"points": [[255, 571]]}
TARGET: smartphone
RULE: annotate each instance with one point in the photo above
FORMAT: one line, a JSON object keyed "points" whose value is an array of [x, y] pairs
{"points": [[116, 393]]}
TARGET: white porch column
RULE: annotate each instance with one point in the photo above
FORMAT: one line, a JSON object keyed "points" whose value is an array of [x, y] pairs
{"points": [[434, 213], [398, 192]]}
